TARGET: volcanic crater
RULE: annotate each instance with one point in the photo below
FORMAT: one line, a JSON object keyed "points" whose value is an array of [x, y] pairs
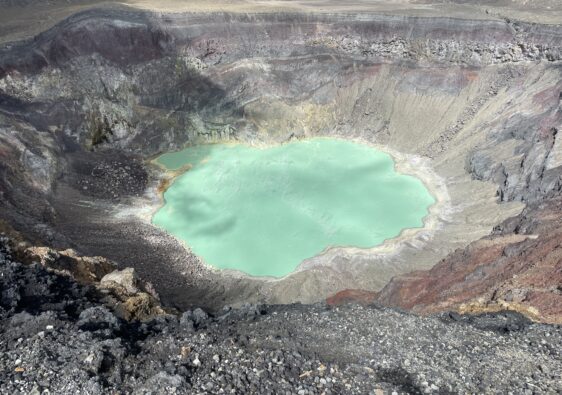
{"points": [[472, 107]]}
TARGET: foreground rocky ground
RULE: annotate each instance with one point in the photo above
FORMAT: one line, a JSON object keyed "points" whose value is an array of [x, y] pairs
{"points": [[57, 336]]}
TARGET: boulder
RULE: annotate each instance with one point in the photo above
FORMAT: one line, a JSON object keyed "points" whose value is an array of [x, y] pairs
{"points": [[125, 279]]}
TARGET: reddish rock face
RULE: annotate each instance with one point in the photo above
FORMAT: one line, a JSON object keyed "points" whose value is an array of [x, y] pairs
{"points": [[518, 267], [352, 296]]}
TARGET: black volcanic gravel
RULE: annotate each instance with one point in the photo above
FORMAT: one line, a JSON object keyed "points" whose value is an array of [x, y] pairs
{"points": [[101, 175], [56, 337]]}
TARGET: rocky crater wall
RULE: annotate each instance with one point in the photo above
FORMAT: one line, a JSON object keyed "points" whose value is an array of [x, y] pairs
{"points": [[83, 105]]}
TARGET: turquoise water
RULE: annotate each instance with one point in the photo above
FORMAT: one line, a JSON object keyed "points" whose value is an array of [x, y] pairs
{"points": [[264, 210]]}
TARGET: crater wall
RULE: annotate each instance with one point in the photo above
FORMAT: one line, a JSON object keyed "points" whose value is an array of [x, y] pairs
{"points": [[473, 104]]}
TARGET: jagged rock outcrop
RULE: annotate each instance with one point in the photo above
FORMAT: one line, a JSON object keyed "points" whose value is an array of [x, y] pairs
{"points": [[86, 270], [130, 297]]}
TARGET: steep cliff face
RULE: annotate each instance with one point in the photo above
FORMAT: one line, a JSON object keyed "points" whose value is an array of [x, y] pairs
{"points": [[83, 104]]}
